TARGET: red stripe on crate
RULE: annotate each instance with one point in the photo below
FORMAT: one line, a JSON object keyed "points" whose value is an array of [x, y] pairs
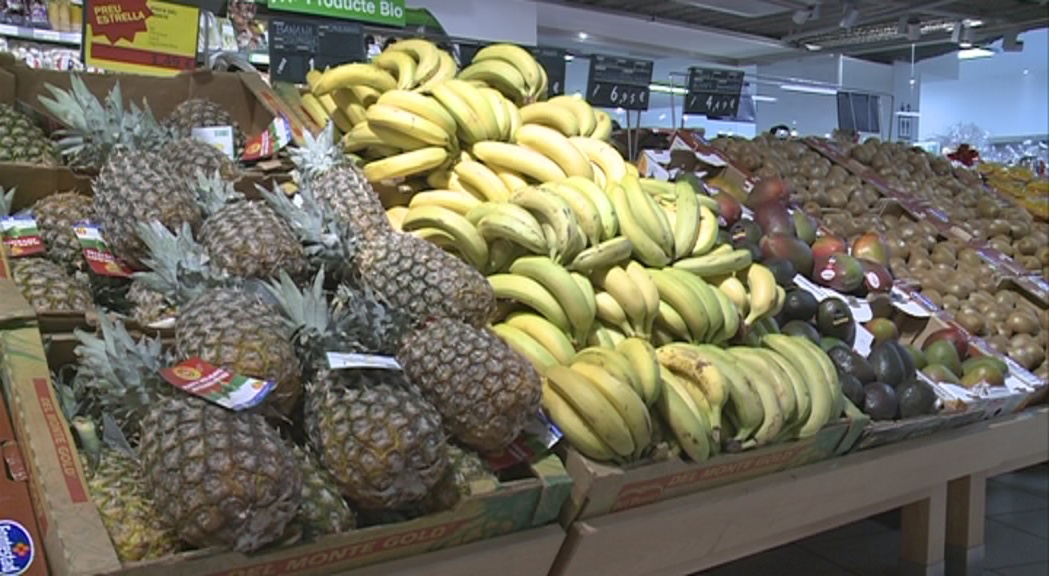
{"points": [[141, 57], [64, 449]]}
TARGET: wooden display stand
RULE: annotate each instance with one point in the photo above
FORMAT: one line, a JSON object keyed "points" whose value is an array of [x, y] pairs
{"points": [[938, 481]]}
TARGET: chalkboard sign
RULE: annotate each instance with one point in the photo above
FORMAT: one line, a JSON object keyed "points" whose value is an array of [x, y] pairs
{"points": [[553, 61], [616, 82], [713, 92], [298, 45]]}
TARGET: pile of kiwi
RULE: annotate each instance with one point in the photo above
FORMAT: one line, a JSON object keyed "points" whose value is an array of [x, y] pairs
{"points": [[1010, 323]]}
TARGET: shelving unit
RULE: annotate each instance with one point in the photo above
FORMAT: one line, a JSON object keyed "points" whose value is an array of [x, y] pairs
{"points": [[40, 35]]}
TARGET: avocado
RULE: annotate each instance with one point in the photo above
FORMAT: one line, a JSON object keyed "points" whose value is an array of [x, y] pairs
{"points": [[851, 387], [983, 373], [783, 270], [883, 329], [828, 344], [801, 328], [799, 305], [724, 237], [943, 352], [910, 370], [916, 398], [889, 366], [880, 401], [745, 232], [849, 362], [940, 373], [917, 356], [975, 361], [834, 319]]}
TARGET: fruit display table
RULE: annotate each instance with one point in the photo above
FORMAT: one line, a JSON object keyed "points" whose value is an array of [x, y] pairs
{"points": [[938, 481]]}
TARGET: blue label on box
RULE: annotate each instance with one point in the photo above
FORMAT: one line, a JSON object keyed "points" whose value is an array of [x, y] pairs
{"points": [[16, 548]]}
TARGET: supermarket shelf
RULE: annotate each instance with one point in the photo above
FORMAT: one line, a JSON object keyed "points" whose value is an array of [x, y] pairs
{"points": [[40, 35]]}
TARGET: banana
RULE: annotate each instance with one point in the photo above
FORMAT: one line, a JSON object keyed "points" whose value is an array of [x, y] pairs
{"points": [[502, 117], [611, 312], [687, 224], [401, 65], [671, 323], [532, 294], [519, 158], [500, 75], [649, 215], [646, 249], [736, 292], [552, 116], [617, 282], [582, 110], [585, 212], [802, 398], [685, 420], [364, 95], [730, 316], [594, 408], [744, 405], [601, 337], [707, 236], [312, 78], [762, 380], [552, 210], [511, 179], [555, 146], [339, 118], [614, 362], [604, 255], [597, 196], [830, 375], [588, 292], [526, 346], [479, 103], [459, 202], [396, 215], [424, 52], [545, 333], [649, 293], [661, 337], [359, 138], [762, 286], [822, 404], [781, 299], [314, 110], [776, 378], [661, 190], [624, 399], [437, 237], [513, 224], [603, 129], [382, 116], [685, 301], [605, 156], [717, 264], [572, 425], [615, 335], [442, 180], [519, 58], [558, 281], [420, 105], [470, 243], [642, 358], [541, 91], [704, 412], [632, 170], [406, 164], [481, 178], [350, 106], [599, 176], [355, 74], [702, 371], [472, 126]]}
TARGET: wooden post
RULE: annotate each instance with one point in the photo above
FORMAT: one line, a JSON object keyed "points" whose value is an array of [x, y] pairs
{"points": [[923, 533], [966, 509]]}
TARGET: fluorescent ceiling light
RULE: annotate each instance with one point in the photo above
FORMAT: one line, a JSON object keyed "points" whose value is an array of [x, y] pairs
{"points": [[809, 89], [569, 57], [667, 89], [974, 23], [583, 35], [763, 98], [971, 53], [813, 47], [908, 113]]}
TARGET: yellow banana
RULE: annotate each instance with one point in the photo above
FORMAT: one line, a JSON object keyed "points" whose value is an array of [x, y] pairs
{"points": [[594, 407], [701, 371], [649, 215], [588, 292], [355, 74], [479, 103], [406, 164], [400, 64], [612, 361], [802, 398], [649, 293], [519, 158], [552, 210], [605, 156], [736, 292], [459, 202], [685, 301], [776, 378], [611, 313], [685, 420], [500, 75], [687, 223], [530, 70], [545, 333], [469, 242], [716, 263], [395, 214], [472, 126], [479, 177], [384, 117], [359, 138], [551, 115], [730, 316], [575, 428], [420, 105], [314, 110], [821, 402], [312, 78], [646, 249], [514, 224], [502, 117], [617, 282], [604, 255], [597, 196], [744, 406], [526, 346], [762, 286], [707, 236], [603, 128], [761, 379], [532, 294], [601, 337], [642, 358], [582, 110], [555, 146], [511, 179], [708, 300], [584, 210], [624, 399], [670, 322], [424, 52], [558, 281]]}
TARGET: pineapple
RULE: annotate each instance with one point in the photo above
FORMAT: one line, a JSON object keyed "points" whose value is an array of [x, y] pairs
{"points": [[148, 306], [217, 477], [322, 510], [48, 287], [55, 216], [339, 186], [200, 113], [23, 141], [485, 391], [246, 238], [188, 158], [465, 471]]}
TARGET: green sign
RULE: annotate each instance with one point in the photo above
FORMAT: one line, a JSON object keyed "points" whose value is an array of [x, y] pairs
{"points": [[388, 12]]}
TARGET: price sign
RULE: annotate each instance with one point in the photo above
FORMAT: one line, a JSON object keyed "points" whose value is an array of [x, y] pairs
{"points": [[618, 82], [140, 36], [553, 61], [298, 45], [713, 92]]}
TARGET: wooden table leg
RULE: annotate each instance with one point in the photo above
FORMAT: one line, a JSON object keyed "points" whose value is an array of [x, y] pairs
{"points": [[923, 534], [966, 509]]}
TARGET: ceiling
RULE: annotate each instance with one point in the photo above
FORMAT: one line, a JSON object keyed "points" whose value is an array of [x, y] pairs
{"points": [[877, 30]]}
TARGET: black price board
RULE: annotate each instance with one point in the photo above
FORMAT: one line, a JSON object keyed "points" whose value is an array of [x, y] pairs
{"points": [[553, 61], [298, 45], [616, 82], [713, 92], [467, 51]]}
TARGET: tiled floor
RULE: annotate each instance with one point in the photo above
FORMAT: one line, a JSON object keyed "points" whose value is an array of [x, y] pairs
{"points": [[1016, 541]]}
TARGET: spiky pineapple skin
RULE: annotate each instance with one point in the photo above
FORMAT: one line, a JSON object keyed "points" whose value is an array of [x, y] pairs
{"points": [[218, 477], [322, 509], [350, 197], [249, 240], [422, 281], [485, 391], [188, 157], [201, 113], [382, 443], [23, 141], [148, 306], [48, 287], [465, 467], [134, 187], [55, 216], [118, 488], [235, 330]]}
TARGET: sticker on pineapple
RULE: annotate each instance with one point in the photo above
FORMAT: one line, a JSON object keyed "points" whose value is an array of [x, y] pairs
{"points": [[21, 235], [96, 252], [220, 137], [349, 360], [539, 436], [266, 144], [16, 549], [217, 385]]}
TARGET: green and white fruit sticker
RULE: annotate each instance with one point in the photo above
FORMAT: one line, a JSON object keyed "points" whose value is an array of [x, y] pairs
{"points": [[96, 252], [217, 385], [21, 235], [349, 360]]}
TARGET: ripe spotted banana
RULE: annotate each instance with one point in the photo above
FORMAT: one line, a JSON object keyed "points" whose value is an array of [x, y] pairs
{"points": [[585, 211], [625, 400], [604, 255], [762, 286], [554, 212], [685, 420], [559, 282], [702, 371]]}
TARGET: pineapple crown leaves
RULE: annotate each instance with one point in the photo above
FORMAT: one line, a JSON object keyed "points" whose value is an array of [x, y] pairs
{"points": [[7, 201], [213, 192], [318, 155], [179, 266]]}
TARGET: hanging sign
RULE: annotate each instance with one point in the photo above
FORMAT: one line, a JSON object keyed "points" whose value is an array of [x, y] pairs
{"points": [[386, 12], [140, 36], [714, 92], [616, 82]]}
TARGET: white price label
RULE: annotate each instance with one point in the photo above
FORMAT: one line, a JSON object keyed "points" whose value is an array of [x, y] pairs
{"points": [[711, 159], [348, 360], [864, 341], [220, 137], [904, 303]]}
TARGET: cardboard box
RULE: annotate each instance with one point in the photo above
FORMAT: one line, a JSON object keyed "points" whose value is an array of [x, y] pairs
{"points": [[77, 542], [601, 489], [20, 537]]}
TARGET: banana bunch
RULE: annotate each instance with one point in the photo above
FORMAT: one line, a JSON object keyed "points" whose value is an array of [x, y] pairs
{"points": [[691, 310], [753, 291], [565, 299], [601, 400]]}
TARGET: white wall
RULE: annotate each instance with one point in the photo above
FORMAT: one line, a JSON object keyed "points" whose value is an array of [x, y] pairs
{"points": [[492, 20]]}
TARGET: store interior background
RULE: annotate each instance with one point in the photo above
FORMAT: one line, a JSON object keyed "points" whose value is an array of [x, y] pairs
{"points": [[1004, 94]]}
